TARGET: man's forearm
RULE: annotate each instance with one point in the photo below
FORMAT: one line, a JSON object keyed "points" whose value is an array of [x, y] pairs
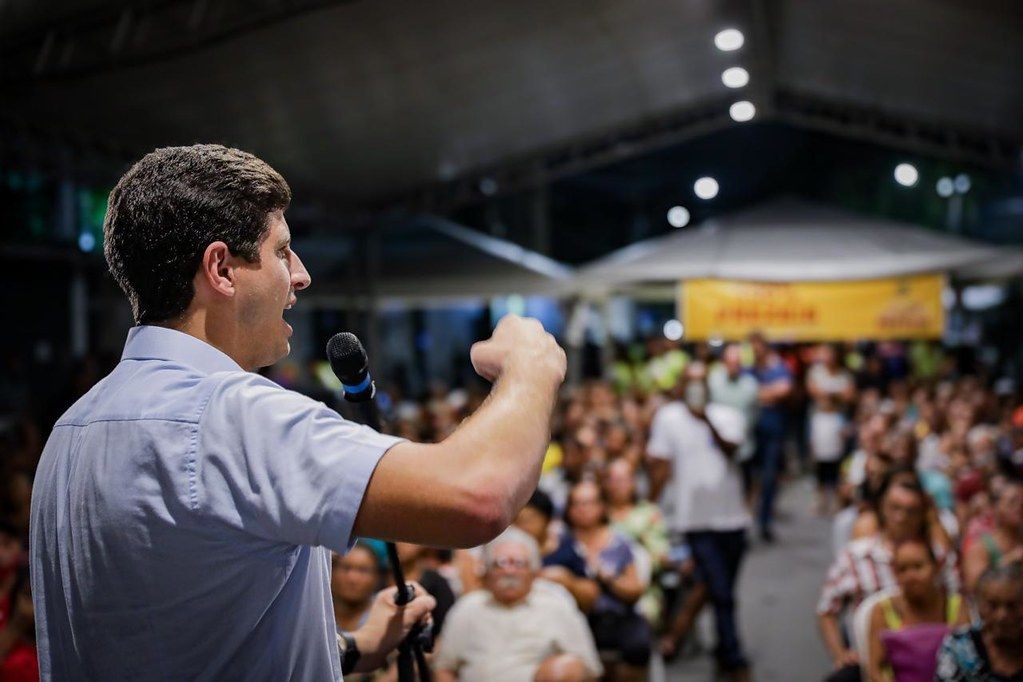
{"points": [[501, 447], [464, 491], [831, 634], [660, 472], [727, 448]]}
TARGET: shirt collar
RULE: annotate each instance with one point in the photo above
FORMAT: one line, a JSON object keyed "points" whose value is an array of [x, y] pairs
{"points": [[148, 342]]}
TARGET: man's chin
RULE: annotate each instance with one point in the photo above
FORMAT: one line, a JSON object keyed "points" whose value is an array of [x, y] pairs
{"points": [[278, 355]]}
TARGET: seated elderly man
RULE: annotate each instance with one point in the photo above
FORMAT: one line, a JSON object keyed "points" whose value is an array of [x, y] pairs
{"points": [[516, 628]]}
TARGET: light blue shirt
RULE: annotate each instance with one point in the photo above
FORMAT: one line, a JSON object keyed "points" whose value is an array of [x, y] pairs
{"points": [[182, 516]]}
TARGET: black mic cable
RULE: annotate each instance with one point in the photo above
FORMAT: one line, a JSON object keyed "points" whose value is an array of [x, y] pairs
{"points": [[350, 363]]}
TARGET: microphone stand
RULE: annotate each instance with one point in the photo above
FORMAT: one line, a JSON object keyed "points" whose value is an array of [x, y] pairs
{"points": [[411, 651]]}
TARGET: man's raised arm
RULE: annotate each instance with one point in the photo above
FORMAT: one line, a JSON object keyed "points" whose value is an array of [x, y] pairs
{"points": [[464, 491]]}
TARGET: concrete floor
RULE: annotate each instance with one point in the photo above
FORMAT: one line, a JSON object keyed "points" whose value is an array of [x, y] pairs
{"points": [[778, 589]]}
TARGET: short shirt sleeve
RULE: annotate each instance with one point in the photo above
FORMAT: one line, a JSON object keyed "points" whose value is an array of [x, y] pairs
{"points": [[660, 443], [281, 466], [840, 586], [617, 556]]}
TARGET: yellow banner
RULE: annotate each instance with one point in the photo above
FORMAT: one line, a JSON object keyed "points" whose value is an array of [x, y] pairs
{"points": [[896, 308]]}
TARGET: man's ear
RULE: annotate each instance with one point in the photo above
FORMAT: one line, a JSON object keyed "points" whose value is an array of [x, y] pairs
{"points": [[217, 269]]}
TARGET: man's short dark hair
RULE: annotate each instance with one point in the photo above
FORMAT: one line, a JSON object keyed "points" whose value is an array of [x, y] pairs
{"points": [[170, 206]]}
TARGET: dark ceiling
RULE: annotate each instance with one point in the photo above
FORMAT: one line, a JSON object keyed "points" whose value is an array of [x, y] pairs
{"points": [[369, 100]]}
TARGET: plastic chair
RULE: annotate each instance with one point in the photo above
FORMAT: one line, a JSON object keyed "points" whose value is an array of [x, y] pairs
{"points": [[861, 626]]}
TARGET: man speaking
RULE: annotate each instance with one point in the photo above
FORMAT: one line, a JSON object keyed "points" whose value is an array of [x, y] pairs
{"points": [[184, 508]]}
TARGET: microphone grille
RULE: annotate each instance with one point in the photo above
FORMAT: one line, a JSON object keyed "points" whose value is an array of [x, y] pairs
{"points": [[347, 357]]}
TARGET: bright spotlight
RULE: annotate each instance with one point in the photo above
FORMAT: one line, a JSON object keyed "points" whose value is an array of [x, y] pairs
{"points": [[706, 188], [678, 216], [673, 330], [945, 187], [742, 111], [906, 174], [729, 40], [962, 183], [735, 77]]}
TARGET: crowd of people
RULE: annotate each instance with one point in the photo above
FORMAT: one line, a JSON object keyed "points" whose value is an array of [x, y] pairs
{"points": [[656, 475], [926, 581]]}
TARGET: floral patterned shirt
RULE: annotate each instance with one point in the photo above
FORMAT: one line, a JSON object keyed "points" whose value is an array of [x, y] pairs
{"points": [[964, 658]]}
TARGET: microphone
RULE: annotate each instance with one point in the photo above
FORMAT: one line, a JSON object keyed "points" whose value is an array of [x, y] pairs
{"points": [[350, 363]]}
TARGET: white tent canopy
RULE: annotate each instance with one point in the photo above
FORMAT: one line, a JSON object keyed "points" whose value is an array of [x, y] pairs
{"points": [[790, 240]]}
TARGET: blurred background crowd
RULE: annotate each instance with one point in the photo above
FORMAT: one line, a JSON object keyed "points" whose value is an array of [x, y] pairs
{"points": [[916, 458], [780, 241]]}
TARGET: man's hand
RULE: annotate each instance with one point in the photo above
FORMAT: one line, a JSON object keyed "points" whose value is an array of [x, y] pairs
{"points": [[520, 342], [387, 625]]}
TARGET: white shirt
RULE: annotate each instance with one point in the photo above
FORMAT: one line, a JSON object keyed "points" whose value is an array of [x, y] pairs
{"points": [[821, 377], [827, 440], [485, 640], [827, 436], [708, 489]]}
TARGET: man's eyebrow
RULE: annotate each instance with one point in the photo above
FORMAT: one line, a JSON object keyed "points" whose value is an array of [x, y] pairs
{"points": [[284, 241]]}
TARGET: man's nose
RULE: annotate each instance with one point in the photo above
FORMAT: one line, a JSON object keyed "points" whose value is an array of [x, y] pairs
{"points": [[300, 278]]}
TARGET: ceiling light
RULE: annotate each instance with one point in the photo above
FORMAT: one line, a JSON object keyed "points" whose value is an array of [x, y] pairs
{"points": [[735, 77], [706, 188], [729, 40], [742, 111], [678, 216], [906, 174]]}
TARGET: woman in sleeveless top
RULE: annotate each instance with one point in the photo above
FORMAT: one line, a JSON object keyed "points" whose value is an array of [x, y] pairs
{"points": [[906, 629]]}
